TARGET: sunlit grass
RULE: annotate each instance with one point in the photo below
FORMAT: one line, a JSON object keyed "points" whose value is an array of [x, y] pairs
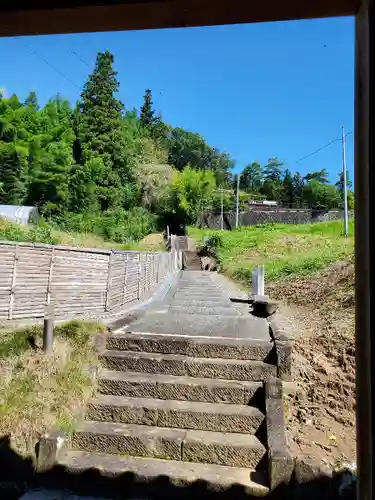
{"points": [[284, 249]]}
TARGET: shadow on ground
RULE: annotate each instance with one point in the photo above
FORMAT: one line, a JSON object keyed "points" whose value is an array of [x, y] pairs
{"points": [[17, 475]]}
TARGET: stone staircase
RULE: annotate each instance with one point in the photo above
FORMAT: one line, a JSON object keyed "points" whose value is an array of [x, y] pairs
{"points": [[182, 394], [191, 261]]}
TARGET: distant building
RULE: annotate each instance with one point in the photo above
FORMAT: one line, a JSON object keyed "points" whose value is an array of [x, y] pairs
{"points": [[20, 214]]}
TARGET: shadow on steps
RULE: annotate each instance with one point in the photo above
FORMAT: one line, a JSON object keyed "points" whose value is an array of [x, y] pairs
{"points": [[17, 475]]}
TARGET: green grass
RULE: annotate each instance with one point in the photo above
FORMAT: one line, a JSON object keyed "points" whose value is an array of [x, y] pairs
{"points": [[284, 249], [10, 231], [39, 392]]}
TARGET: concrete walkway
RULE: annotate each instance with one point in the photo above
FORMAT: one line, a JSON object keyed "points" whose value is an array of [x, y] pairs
{"points": [[185, 371]]}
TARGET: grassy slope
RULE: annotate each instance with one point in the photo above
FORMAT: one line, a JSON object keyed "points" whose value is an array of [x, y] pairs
{"points": [[39, 392], [285, 250], [10, 231]]}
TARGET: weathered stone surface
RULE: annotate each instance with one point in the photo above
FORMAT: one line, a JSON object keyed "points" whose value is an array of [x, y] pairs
{"points": [[194, 346], [176, 414], [280, 463], [228, 369], [284, 359], [174, 364], [246, 327], [148, 343], [128, 384], [144, 362], [282, 328], [126, 439], [179, 473], [231, 449], [244, 349], [211, 311], [306, 470], [177, 388], [50, 447]]}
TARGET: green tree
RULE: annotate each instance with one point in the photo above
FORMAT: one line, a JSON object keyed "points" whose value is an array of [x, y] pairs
{"points": [[101, 120], [251, 177], [32, 101], [191, 192], [320, 176], [318, 195], [12, 165], [147, 115], [340, 183]]}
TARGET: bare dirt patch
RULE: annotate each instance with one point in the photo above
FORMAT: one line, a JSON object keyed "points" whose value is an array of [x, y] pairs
{"points": [[321, 416]]}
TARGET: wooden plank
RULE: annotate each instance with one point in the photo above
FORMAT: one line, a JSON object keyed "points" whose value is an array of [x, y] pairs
{"points": [[14, 275]]}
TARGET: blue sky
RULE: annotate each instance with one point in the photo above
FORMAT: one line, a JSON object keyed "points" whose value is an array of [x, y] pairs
{"points": [[260, 90]]}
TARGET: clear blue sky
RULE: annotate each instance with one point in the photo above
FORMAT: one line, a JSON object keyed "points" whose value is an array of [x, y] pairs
{"points": [[260, 90]]}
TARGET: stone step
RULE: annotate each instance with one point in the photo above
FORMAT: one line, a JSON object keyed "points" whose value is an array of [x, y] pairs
{"points": [[175, 364], [229, 449], [211, 311], [216, 417], [207, 302], [147, 473], [246, 327], [158, 386], [257, 350]]}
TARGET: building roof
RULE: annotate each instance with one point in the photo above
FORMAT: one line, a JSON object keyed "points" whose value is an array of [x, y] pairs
{"points": [[18, 213]]}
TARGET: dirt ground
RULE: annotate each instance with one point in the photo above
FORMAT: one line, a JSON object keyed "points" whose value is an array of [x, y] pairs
{"points": [[321, 415]]}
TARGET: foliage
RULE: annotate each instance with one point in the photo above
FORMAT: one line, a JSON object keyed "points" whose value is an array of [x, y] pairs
{"points": [[284, 249], [117, 173], [191, 192]]}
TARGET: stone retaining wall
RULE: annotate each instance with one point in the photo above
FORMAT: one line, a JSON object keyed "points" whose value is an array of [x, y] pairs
{"points": [[275, 215]]}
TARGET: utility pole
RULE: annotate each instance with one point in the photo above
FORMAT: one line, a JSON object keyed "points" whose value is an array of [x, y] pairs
{"points": [[237, 198], [222, 211], [345, 183]]}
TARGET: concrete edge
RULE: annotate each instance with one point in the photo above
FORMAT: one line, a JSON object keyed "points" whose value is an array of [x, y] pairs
{"points": [[283, 334], [51, 447], [280, 462], [134, 312]]}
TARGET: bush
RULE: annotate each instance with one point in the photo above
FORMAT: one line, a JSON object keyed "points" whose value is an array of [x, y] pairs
{"points": [[120, 226]]}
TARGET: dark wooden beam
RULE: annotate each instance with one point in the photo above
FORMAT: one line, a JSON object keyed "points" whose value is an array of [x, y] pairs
{"points": [[161, 14], [364, 163]]}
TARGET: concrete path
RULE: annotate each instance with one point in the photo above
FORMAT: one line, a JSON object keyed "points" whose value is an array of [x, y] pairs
{"points": [[201, 307]]}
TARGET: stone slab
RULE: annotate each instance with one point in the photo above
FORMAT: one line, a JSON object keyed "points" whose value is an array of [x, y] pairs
{"points": [[200, 325], [216, 417], [230, 348], [210, 311], [129, 439], [174, 364], [202, 303], [230, 449], [179, 473], [145, 385], [280, 462]]}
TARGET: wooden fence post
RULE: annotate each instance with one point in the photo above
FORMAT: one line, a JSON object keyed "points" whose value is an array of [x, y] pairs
{"points": [[125, 277], [109, 282], [48, 298], [13, 283]]}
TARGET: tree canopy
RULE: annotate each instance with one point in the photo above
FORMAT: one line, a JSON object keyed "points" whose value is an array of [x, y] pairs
{"points": [[98, 166]]}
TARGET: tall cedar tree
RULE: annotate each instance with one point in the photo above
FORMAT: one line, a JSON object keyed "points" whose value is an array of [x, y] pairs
{"points": [[12, 192], [147, 117], [101, 121]]}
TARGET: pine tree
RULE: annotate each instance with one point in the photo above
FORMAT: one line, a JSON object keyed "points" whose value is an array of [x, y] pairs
{"points": [[32, 101], [11, 166], [101, 120], [147, 117]]}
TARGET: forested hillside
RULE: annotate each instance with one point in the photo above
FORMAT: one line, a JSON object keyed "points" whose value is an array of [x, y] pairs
{"points": [[99, 167]]}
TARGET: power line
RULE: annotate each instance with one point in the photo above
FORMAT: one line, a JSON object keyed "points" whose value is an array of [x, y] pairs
{"points": [[323, 147], [49, 64], [74, 53]]}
